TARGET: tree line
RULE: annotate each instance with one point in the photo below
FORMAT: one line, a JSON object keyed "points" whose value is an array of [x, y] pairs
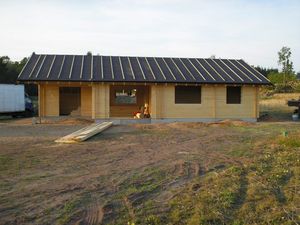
{"points": [[9, 71]]}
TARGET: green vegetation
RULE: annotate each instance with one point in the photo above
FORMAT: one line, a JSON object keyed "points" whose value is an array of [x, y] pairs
{"points": [[9, 71], [5, 162], [284, 61], [262, 192], [278, 78], [68, 211], [284, 81]]}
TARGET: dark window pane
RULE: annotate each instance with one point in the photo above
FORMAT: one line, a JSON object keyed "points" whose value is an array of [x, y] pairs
{"points": [[187, 95], [234, 95]]}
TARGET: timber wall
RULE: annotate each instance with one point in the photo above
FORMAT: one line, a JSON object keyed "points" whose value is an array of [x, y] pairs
{"points": [[86, 101], [100, 101], [213, 104], [95, 102], [49, 99]]}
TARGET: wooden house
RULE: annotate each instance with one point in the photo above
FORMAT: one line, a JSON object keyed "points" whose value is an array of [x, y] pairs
{"points": [[116, 87]]}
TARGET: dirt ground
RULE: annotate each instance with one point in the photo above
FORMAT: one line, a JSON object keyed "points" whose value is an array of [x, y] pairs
{"points": [[122, 175]]}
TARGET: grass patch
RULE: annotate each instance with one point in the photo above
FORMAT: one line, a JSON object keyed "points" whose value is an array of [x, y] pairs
{"points": [[72, 208], [5, 162], [37, 177], [68, 211], [213, 203], [227, 197], [290, 142]]}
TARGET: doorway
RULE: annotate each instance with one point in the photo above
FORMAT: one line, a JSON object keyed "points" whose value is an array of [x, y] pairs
{"points": [[69, 101], [126, 101]]}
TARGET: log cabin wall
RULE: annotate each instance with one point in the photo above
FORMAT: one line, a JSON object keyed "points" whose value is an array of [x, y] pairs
{"points": [[49, 99], [213, 104], [98, 102]]}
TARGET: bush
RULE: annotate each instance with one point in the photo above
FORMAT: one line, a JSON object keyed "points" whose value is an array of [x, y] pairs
{"points": [[278, 78], [281, 88], [295, 85]]}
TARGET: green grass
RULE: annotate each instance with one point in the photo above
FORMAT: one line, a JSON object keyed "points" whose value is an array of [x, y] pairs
{"points": [[262, 192], [5, 162], [71, 208], [290, 142], [68, 211]]}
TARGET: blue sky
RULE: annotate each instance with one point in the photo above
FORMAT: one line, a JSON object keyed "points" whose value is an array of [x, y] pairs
{"points": [[252, 30]]}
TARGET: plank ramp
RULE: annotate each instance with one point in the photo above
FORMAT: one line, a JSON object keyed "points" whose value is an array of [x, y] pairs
{"points": [[85, 133]]}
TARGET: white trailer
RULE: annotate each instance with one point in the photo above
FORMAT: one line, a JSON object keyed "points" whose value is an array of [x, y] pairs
{"points": [[12, 99]]}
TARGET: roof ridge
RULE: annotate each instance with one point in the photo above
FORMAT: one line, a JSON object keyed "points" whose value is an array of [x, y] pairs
{"points": [[134, 56]]}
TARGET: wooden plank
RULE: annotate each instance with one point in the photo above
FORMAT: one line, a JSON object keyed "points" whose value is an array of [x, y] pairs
{"points": [[85, 133]]}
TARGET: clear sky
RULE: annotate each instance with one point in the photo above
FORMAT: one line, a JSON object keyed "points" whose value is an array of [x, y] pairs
{"points": [[253, 30]]}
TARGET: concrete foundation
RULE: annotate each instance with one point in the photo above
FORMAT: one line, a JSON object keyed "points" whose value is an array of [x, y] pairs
{"points": [[153, 121]]}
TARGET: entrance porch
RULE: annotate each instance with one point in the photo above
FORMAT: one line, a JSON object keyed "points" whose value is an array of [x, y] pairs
{"points": [[127, 101]]}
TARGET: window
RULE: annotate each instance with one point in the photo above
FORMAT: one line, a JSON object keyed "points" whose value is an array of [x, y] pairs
{"points": [[234, 95], [187, 95], [125, 96]]}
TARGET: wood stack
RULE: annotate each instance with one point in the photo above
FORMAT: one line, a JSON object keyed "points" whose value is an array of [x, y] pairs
{"points": [[85, 133]]}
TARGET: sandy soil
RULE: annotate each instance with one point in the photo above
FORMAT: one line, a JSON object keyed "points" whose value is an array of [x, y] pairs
{"points": [[42, 182]]}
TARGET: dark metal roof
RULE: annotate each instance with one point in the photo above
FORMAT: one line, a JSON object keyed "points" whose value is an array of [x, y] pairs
{"points": [[89, 68]]}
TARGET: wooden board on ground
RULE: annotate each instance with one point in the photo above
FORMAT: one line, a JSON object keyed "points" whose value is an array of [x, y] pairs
{"points": [[85, 133]]}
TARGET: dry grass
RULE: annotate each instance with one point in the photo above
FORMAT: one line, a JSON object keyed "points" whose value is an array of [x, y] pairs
{"points": [[279, 99], [276, 106]]}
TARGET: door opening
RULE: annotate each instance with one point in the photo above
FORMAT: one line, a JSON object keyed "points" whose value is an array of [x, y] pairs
{"points": [[69, 101]]}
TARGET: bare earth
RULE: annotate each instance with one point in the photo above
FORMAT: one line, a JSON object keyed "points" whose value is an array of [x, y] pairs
{"points": [[42, 182]]}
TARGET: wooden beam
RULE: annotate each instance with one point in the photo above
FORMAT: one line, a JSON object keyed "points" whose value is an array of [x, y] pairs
{"points": [[214, 103], [39, 102], [84, 133]]}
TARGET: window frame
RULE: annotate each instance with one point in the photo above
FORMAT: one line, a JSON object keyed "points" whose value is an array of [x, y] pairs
{"points": [[234, 101], [179, 101]]}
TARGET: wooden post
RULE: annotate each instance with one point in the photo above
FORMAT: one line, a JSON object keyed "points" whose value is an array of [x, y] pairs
{"points": [[256, 103], [39, 102], [94, 101], [214, 102]]}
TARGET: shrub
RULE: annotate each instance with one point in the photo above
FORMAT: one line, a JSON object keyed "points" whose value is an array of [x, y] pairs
{"points": [[278, 78]]}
